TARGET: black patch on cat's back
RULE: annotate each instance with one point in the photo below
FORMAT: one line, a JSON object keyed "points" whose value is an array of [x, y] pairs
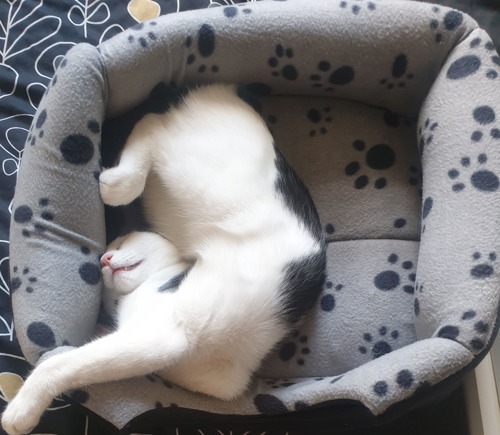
{"points": [[173, 284], [303, 278], [296, 196], [163, 97], [302, 283]]}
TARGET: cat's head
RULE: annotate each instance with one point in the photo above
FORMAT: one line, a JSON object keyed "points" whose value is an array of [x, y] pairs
{"points": [[130, 260]]}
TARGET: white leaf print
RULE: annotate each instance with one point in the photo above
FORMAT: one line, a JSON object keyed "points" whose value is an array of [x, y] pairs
{"points": [[83, 12], [4, 264]]}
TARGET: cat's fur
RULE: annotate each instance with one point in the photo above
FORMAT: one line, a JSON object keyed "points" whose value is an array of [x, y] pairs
{"points": [[216, 187]]}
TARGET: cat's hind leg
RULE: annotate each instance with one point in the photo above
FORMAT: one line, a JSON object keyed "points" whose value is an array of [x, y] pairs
{"points": [[119, 355], [125, 182]]}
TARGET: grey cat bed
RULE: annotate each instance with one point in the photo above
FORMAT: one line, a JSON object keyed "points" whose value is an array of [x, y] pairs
{"points": [[386, 109]]}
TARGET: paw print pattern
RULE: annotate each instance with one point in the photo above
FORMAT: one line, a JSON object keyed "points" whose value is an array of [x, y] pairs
{"points": [[469, 326], [449, 23], [378, 157], [232, 11], [296, 348], [395, 120], [282, 55], [482, 180], [356, 6], [398, 72], [205, 40], [380, 345], [24, 215], [399, 223], [329, 233], [268, 404], [484, 269], [416, 304], [426, 134], [415, 177], [145, 38], [405, 379], [471, 63], [324, 78], [41, 334], [90, 271], [320, 118], [484, 116], [278, 383], [327, 301], [78, 149], [22, 279], [426, 209], [388, 280], [80, 396], [38, 131]]}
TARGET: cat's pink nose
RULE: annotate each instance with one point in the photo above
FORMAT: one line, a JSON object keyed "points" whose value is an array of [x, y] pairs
{"points": [[106, 259]]}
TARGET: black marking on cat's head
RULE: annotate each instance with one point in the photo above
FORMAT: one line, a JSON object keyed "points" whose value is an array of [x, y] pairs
{"points": [[173, 284], [296, 197]]}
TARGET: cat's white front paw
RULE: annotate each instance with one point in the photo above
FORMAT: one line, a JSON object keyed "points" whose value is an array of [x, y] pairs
{"points": [[120, 186], [24, 411], [20, 418]]}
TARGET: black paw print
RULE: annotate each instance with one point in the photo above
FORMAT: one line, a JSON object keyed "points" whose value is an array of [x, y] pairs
{"points": [[290, 349], [477, 330], [399, 223], [394, 120], [79, 149], [398, 72], [415, 177], [232, 11], [329, 233], [357, 5], [319, 117], [469, 64], [483, 180], [484, 116], [485, 269], [268, 404], [19, 279], [426, 209], [206, 46], [25, 215], [281, 54], [37, 130], [378, 157], [416, 304], [449, 23], [380, 345], [426, 134], [405, 380], [390, 280], [324, 78], [327, 301], [145, 38], [278, 383], [90, 271]]}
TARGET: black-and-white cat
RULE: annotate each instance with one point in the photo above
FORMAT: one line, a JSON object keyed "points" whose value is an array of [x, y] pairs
{"points": [[248, 263]]}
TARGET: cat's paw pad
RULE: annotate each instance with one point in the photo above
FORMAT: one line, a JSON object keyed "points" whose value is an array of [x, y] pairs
{"points": [[119, 186]]}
